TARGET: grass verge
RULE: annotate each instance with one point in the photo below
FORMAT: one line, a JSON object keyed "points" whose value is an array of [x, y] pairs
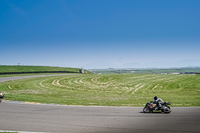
{"points": [[18, 68], [106, 90]]}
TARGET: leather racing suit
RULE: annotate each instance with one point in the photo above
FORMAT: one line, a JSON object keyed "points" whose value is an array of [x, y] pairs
{"points": [[158, 102]]}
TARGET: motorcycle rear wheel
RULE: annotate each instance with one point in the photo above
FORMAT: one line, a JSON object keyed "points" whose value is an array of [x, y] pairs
{"points": [[146, 110]]}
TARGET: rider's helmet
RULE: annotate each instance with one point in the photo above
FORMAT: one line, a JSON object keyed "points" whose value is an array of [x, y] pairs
{"points": [[155, 98]]}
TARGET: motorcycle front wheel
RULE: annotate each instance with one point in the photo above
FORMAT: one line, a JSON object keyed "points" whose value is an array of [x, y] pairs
{"points": [[167, 110]]}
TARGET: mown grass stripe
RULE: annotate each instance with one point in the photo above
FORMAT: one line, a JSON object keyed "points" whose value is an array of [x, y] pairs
{"points": [[106, 90]]}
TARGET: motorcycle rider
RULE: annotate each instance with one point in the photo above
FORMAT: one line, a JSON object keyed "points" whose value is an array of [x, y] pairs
{"points": [[158, 102], [1, 96]]}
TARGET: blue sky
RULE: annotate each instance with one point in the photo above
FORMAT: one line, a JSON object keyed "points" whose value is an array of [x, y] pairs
{"points": [[100, 33]]}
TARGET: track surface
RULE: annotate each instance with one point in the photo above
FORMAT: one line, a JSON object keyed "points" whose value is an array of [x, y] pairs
{"points": [[18, 116], [80, 119]]}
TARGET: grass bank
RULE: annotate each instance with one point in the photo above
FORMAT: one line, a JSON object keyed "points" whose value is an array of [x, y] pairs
{"points": [[106, 90], [18, 68]]}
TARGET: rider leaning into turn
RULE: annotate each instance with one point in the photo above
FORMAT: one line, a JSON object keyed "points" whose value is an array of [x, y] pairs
{"points": [[158, 102]]}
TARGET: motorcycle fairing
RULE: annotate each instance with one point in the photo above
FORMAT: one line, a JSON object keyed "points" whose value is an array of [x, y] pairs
{"points": [[157, 111]]}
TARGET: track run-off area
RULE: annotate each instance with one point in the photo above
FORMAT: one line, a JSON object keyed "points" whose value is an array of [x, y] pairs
{"points": [[127, 90], [104, 90]]}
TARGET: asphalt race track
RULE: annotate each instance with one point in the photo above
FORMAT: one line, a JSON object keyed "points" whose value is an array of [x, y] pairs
{"points": [[19, 116]]}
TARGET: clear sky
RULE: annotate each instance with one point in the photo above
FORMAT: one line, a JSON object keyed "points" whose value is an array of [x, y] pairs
{"points": [[100, 33]]}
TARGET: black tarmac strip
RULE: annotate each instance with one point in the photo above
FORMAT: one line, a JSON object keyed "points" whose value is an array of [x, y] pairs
{"points": [[50, 118], [31, 117]]}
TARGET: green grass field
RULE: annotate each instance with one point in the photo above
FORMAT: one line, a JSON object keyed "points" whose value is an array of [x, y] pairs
{"points": [[8, 132], [106, 90], [147, 71], [6, 68]]}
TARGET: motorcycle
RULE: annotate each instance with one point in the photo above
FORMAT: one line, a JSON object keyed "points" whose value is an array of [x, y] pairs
{"points": [[151, 107], [1, 96]]}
